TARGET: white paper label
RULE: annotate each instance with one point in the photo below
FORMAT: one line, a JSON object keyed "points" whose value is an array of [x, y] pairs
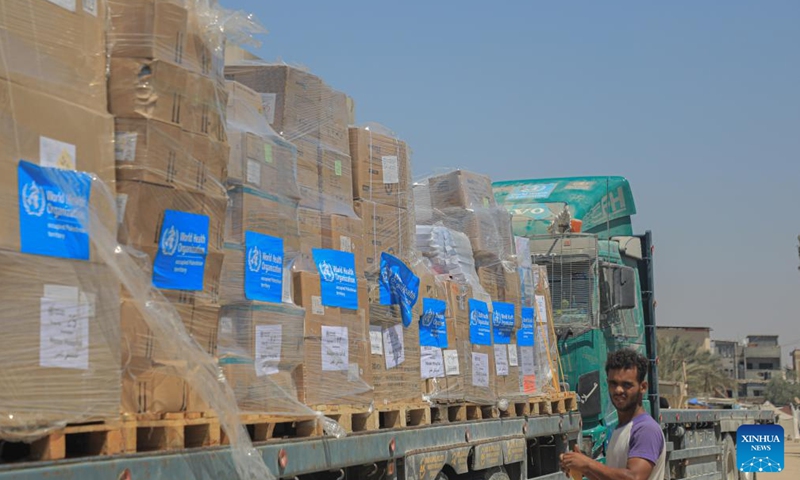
{"points": [[501, 360], [122, 204], [451, 362], [125, 146], [253, 172], [393, 346], [287, 286], [346, 244], [480, 369], [541, 303], [268, 101], [376, 340], [526, 360], [68, 4], [316, 305], [64, 293], [512, 355], [391, 171], [535, 278], [335, 349], [225, 327], [431, 362], [64, 334], [55, 154], [353, 373], [90, 7], [268, 349]]}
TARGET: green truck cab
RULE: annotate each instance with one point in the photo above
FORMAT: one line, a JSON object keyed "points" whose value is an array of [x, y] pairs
{"points": [[601, 282]]}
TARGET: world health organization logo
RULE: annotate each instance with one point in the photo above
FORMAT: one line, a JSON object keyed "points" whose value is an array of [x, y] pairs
{"points": [[427, 318], [759, 448], [473, 318], [170, 240], [33, 200], [326, 271], [254, 259]]}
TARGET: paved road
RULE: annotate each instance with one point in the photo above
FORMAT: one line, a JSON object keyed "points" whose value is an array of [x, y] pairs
{"points": [[792, 470]]}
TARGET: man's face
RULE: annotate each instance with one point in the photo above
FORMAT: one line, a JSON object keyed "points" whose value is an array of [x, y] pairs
{"points": [[625, 390]]}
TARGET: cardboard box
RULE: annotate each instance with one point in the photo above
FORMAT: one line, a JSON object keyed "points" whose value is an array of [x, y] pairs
{"points": [[320, 386], [153, 388], [151, 29], [202, 43], [51, 132], [292, 98], [205, 106], [337, 182], [334, 121], [309, 175], [252, 210], [310, 225], [150, 89], [139, 343], [261, 349], [265, 163], [245, 108], [142, 206], [386, 229], [346, 234], [461, 189], [58, 50], [61, 342], [155, 152], [213, 157], [396, 371], [381, 168]]}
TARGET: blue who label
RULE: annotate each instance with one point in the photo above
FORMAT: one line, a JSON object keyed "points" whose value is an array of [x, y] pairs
{"points": [[398, 286], [480, 329], [338, 281], [263, 271], [432, 323], [53, 211], [760, 448], [182, 250], [503, 322], [525, 335]]}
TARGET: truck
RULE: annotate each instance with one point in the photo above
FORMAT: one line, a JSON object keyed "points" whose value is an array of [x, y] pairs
{"points": [[601, 281], [602, 286]]}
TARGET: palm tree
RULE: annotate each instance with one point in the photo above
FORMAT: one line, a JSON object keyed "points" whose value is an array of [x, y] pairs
{"points": [[700, 369]]}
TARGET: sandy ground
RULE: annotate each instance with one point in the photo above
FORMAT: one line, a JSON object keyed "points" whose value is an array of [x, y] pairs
{"points": [[792, 470]]}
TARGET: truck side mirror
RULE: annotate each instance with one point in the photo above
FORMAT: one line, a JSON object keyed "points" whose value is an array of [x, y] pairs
{"points": [[617, 287]]}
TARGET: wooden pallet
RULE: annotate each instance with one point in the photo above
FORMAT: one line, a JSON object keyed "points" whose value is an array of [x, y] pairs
{"points": [[462, 411], [404, 414], [74, 441], [553, 403], [263, 428], [174, 431], [353, 418]]}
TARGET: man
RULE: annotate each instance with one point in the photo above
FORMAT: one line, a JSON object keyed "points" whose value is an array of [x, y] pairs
{"points": [[637, 449]]}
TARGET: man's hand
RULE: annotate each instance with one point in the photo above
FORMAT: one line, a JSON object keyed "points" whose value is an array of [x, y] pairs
{"points": [[575, 461]]}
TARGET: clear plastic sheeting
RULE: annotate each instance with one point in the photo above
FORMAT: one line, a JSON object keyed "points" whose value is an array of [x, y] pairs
{"points": [[305, 111], [56, 47]]}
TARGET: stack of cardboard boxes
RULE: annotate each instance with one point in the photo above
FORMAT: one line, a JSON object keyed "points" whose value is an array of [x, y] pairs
{"points": [[261, 330], [463, 201], [382, 191], [168, 97], [328, 273], [60, 348]]}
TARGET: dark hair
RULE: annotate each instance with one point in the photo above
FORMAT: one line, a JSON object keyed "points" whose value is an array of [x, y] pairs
{"points": [[625, 359]]}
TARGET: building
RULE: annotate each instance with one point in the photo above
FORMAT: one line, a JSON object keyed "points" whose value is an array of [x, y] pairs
{"points": [[762, 362], [731, 355], [700, 337]]}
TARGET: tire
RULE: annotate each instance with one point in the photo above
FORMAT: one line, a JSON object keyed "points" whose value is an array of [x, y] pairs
{"points": [[729, 468]]}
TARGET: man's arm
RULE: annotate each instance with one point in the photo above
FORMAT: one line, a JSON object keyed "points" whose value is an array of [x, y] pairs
{"points": [[636, 468]]}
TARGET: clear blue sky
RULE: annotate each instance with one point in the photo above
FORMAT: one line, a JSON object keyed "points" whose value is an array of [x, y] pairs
{"points": [[696, 103]]}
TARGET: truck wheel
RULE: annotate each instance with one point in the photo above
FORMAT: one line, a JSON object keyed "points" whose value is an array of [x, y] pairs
{"points": [[496, 473], [729, 470]]}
